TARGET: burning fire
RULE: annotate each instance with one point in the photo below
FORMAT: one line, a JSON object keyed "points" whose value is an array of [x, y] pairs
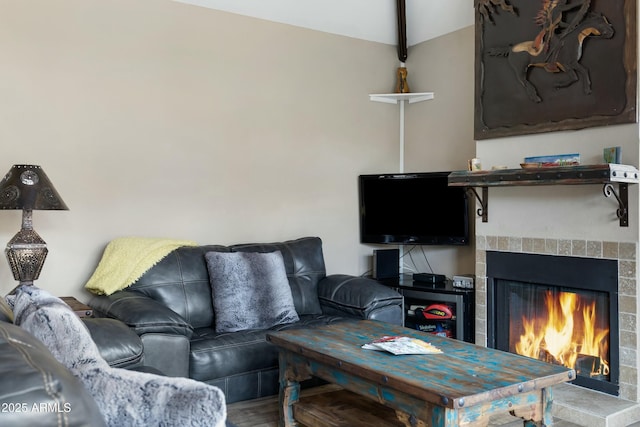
{"points": [[567, 335]]}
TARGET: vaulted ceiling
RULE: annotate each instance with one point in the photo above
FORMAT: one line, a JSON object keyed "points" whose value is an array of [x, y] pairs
{"points": [[373, 20]]}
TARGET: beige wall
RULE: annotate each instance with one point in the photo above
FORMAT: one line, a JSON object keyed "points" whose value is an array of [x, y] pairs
{"points": [[157, 118], [160, 119], [439, 133]]}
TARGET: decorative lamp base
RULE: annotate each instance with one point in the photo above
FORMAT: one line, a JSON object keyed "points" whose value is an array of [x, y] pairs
{"points": [[26, 253]]}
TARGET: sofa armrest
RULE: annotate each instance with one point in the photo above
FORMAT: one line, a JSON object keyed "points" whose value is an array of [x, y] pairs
{"points": [[141, 313], [33, 379], [360, 297], [117, 343]]}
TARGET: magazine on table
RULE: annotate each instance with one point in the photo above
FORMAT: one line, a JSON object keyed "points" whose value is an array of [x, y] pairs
{"points": [[402, 345]]}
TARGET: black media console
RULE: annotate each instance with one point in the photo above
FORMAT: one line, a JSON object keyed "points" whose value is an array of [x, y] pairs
{"points": [[452, 311]]}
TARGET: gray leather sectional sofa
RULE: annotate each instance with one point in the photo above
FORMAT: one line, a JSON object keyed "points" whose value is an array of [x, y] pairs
{"points": [[170, 307]]}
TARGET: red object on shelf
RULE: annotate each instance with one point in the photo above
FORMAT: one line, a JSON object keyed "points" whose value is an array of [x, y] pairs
{"points": [[437, 312]]}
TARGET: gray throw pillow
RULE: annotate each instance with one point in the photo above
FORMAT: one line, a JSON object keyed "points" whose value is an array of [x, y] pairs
{"points": [[125, 398], [250, 290]]}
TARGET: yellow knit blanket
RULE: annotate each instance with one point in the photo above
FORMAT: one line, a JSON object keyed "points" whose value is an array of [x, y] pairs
{"points": [[125, 259]]}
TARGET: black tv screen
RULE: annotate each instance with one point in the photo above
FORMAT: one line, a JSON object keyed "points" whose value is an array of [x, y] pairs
{"points": [[412, 208]]}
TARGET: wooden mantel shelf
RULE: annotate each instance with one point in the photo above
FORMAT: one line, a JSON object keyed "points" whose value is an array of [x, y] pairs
{"points": [[606, 174], [562, 175]]}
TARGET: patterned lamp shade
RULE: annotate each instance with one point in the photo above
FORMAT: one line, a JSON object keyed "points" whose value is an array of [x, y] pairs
{"points": [[28, 187]]}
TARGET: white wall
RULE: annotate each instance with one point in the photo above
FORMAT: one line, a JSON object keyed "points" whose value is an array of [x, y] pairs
{"points": [[161, 119]]}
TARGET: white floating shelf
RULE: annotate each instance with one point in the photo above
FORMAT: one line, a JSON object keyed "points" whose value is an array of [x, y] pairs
{"points": [[394, 98]]}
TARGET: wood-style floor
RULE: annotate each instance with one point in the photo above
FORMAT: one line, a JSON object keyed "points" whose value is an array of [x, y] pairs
{"points": [[264, 413]]}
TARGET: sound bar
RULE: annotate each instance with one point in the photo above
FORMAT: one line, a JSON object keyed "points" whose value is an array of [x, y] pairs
{"points": [[429, 277]]}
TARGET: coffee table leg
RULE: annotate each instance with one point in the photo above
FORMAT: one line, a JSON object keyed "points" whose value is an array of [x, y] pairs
{"points": [[546, 406], [289, 392]]}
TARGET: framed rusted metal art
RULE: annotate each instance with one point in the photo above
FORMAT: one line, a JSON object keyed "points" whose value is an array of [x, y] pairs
{"points": [[549, 65]]}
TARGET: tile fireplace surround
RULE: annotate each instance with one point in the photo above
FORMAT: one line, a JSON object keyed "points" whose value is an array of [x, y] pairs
{"points": [[624, 253]]}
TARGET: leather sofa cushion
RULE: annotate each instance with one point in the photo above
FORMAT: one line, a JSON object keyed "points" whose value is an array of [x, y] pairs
{"points": [[118, 344], [304, 264], [32, 376], [180, 281], [217, 355]]}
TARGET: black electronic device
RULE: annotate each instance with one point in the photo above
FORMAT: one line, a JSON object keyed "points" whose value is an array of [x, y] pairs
{"points": [[412, 209], [429, 278], [386, 263]]}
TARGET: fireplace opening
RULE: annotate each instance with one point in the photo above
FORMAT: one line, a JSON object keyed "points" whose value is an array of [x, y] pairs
{"points": [[562, 310], [561, 326]]}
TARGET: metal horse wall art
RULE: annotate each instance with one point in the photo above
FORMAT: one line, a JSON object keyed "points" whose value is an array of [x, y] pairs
{"points": [[557, 54], [549, 65], [485, 7]]}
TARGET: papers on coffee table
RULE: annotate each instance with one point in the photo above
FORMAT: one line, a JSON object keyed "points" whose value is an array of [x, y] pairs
{"points": [[402, 345]]}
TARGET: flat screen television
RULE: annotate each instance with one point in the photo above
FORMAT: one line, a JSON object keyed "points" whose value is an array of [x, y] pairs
{"points": [[413, 209]]}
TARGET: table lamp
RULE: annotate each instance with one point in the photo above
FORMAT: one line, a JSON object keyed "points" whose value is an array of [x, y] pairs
{"points": [[27, 187]]}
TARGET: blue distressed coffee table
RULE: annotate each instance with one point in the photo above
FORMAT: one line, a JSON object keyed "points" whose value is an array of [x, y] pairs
{"points": [[463, 386]]}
